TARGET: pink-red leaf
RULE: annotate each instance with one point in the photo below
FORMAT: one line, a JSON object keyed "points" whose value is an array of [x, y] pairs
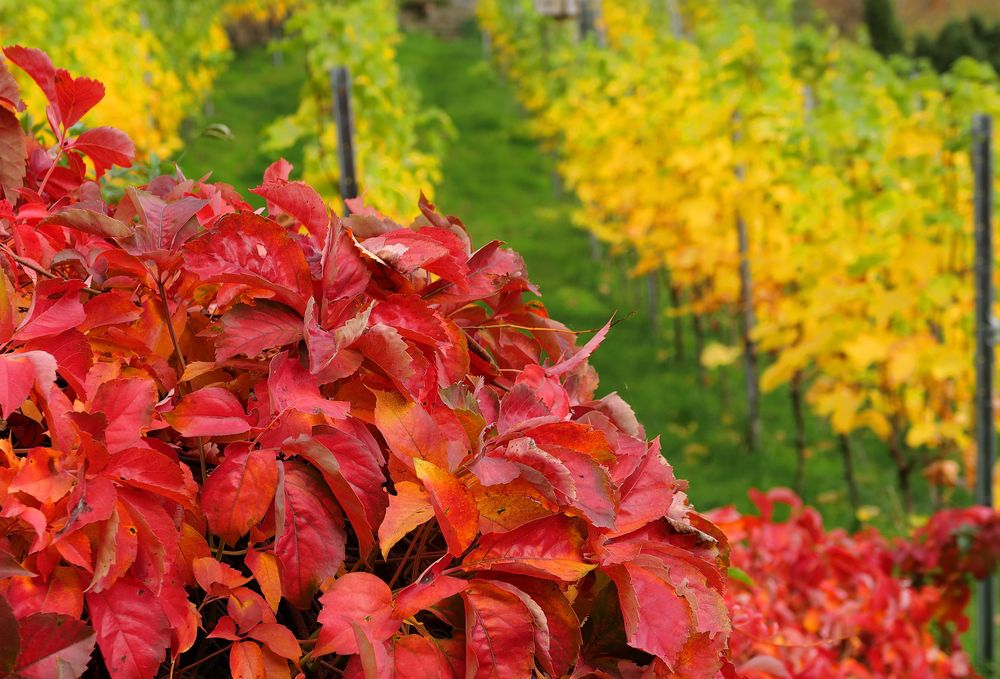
{"points": [[360, 598], [550, 548], [212, 411], [417, 657], [127, 403], [239, 492], [310, 540], [37, 65], [106, 147], [249, 249], [132, 631], [299, 200], [19, 373], [54, 646], [250, 330], [55, 308], [499, 639], [324, 460], [76, 96]]}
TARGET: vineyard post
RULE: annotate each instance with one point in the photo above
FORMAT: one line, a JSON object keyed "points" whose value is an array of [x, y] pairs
{"points": [[587, 25], [340, 82], [982, 159], [751, 382]]}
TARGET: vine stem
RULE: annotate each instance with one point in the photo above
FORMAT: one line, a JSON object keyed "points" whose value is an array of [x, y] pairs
{"points": [[182, 364], [40, 270], [406, 556], [52, 167], [205, 659]]}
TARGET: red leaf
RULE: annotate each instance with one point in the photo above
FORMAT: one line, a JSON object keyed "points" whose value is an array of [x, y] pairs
{"points": [[10, 637], [109, 308], [454, 506], [499, 640], [76, 96], [239, 492], [37, 65], [325, 346], [310, 538], [56, 645], [431, 249], [74, 357], [299, 200], [163, 225], [646, 494], [246, 661], [561, 620], [132, 631], [429, 589], [324, 460], [550, 548], [250, 330], [247, 248], [280, 169], [217, 578], [12, 154], [212, 411], [19, 373], [410, 431], [278, 638], [360, 598], [408, 508], [581, 355], [659, 628], [89, 221], [55, 308], [154, 473], [417, 657], [292, 387], [128, 404], [106, 147], [11, 568]]}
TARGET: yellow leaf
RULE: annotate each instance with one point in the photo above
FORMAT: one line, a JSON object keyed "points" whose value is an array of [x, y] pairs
{"points": [[716, 355]]}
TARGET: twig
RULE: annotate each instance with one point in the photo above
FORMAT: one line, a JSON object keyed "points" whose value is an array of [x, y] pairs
{"points": [[205, 659]]}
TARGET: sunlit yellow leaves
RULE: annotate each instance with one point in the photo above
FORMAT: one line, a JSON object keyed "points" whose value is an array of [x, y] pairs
{"points": [[853, 181]]}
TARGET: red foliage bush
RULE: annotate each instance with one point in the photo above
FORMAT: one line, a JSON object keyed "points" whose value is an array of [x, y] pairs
{"points": [[288, 443], [807, 603]]}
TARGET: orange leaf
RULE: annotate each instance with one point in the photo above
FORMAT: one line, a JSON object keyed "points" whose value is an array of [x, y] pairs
{"points": [[454, 506]]}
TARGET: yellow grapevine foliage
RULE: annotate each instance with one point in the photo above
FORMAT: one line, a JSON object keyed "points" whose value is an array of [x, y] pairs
{"points": [[157, 58], [851, 173], [397, 139]]}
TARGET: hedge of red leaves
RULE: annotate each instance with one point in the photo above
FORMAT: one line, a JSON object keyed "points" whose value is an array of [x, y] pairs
{"points": [[812, 604], [281, 443]]}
